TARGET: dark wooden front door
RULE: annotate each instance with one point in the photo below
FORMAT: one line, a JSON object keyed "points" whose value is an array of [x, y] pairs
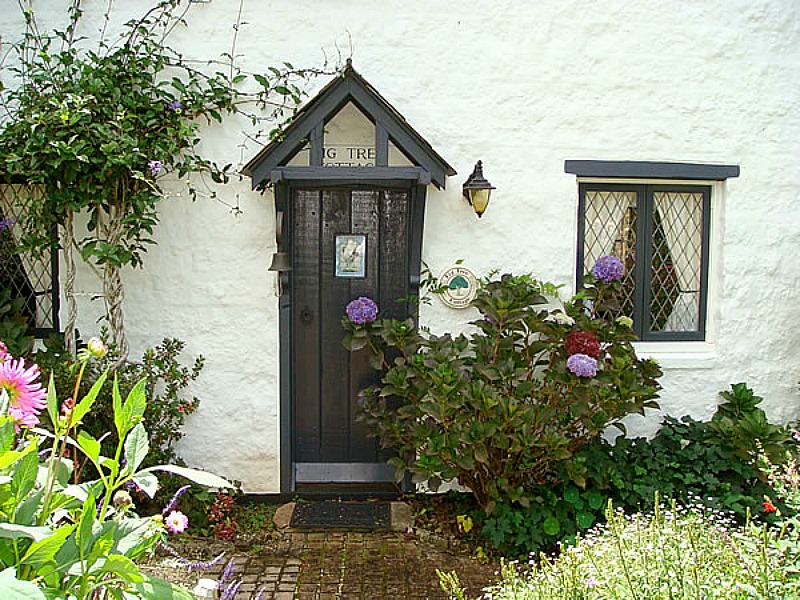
{"points": [[329, 444]]}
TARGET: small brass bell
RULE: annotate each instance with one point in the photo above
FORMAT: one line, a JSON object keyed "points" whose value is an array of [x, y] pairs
{"points": [[280, 262]]}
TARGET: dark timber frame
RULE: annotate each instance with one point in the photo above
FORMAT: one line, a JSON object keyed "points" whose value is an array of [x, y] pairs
{"points": [[269, 167]]}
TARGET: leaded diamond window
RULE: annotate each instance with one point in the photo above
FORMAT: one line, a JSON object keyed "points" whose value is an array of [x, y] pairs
{"points": [[661, 234], [27, 276]]}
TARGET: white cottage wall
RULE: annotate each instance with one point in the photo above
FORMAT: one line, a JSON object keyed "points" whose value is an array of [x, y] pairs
{"points": [[523, 87]]}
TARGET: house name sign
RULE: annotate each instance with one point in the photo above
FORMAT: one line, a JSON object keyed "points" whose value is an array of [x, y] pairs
{"points": [[348, 156], [458, 286]]}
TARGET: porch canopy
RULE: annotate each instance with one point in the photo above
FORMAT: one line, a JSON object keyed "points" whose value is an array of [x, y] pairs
{"points": [[348, 131]]}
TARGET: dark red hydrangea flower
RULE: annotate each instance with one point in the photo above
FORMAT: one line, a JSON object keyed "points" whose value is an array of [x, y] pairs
{"points": [[582, 342]]}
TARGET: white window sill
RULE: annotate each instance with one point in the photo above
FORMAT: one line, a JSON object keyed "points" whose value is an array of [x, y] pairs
{"points": [[679, 355]]}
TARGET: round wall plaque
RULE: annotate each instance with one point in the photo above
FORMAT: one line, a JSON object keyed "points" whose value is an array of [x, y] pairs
{"points": [[459, 286]]}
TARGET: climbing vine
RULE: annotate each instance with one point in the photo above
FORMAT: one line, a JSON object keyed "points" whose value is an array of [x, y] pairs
{"points": [[100, 126]]}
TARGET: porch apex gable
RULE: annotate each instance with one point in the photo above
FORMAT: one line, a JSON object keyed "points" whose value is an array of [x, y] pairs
{"points": [[307, 127]]}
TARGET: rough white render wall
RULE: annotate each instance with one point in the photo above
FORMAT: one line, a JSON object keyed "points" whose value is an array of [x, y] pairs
{"points": [[522, 86]]}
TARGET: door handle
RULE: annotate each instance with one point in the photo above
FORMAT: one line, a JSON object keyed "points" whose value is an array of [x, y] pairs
{"points": [[306, 315]]}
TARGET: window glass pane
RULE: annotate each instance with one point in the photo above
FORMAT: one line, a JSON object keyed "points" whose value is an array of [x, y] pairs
{"points": [[397, 158], [301, 158], [675, 269], [349, 139], [610, 220], [29, 277]]}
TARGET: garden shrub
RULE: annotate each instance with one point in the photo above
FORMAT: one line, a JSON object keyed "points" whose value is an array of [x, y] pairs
{"points": [[687, 460], [166, 382], [501, 408], [557, 512]]}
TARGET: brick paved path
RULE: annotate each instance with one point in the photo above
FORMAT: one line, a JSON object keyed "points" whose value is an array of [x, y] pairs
{"points": [[323, 566], [332, 565]]}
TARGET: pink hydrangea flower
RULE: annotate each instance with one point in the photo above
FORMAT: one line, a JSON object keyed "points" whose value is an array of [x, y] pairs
{"points": [[176, 522], [26, 397]]}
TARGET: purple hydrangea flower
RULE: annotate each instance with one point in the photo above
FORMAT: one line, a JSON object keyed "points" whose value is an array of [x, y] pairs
{"points": [[155, 166], [175, 106], [6, 224], [608, 269], [362, 310], [582, 365]]}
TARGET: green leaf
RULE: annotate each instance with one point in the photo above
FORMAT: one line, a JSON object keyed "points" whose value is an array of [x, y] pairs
{"points": [[146, 482], [572, 495], [83, 534], [133, 408], [585, 520], [15, 589], [8, 436], [551, 526], [89, 445], [44, 552], [24, 477], [9, 458], [86, 403], [136, 447], [123, 567], [153, 588], [116, 402], [13, 531], [199, 477]]}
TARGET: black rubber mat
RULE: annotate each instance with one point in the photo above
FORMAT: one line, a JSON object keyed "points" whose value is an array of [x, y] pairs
{"points": [[342, 515]]}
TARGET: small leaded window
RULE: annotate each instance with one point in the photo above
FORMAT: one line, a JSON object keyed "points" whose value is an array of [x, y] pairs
{"points": [[661, 234], [24, 276]]}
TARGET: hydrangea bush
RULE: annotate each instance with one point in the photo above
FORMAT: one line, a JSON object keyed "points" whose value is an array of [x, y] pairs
{"points": [[501, 409]]}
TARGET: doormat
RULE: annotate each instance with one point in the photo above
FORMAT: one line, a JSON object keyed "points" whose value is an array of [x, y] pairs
{"points": [[342, 515]]}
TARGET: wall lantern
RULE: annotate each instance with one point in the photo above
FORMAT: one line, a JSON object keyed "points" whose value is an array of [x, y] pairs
{"points": [[477, 190]]}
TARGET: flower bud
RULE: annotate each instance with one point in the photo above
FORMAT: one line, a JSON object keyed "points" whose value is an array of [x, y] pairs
{"points": [[97, 348], [122, 499], [625, 321]]}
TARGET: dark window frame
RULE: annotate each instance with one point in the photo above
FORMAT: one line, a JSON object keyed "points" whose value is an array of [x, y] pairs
{"points": [[34, 329], [644, 248]]}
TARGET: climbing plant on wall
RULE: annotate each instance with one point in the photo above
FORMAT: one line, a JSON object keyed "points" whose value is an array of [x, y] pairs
{"points": [[101, 125]]}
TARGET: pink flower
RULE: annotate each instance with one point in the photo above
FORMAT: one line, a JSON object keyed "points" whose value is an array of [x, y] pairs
{"points": [[26, 397], [176, 522], [4, 353]]}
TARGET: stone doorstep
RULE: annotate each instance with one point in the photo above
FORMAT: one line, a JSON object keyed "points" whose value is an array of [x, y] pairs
{"points": [[401, 518]]}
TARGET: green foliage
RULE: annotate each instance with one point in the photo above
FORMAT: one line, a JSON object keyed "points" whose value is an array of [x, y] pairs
{"points": [[686, 461], [86, 121], [71, 540], [13, 325], [741, 424], [166, 382], [498, 409], [98, 126], [557, 513]]}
